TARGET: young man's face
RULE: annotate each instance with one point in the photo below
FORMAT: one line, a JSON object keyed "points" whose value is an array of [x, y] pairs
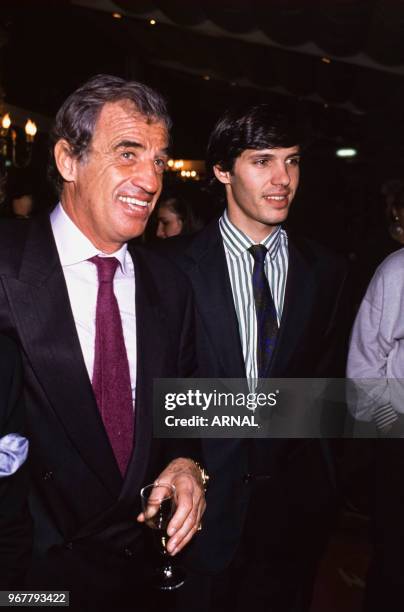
{"points": [[260, 189], [111, 193]]}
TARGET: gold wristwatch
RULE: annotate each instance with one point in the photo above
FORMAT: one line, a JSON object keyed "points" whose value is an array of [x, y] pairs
{"points": [[203, 474]]}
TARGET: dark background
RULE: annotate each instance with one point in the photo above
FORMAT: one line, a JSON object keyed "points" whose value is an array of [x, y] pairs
{"points": [[340, 64]]}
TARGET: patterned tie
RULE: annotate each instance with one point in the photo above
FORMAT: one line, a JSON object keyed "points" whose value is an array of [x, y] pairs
{"points": [[111, 377], [267, 323]]}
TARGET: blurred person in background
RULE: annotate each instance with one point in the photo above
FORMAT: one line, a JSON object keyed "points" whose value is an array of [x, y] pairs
{"points": [[393, 192], [19, 196], [15, 523], [176, 213], [376, 369], [22, 205]]}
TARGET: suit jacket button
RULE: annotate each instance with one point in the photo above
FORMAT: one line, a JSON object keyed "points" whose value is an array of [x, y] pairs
{"points": [[47, 475], [128, 552]]}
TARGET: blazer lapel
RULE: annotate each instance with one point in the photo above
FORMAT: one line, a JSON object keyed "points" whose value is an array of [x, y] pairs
{"points": [[40, 303], [299, 297], [210, 279], [150, 338]]}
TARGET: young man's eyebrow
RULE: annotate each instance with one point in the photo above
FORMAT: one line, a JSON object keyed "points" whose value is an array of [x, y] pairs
{"points": [[267, 154], [259, 154]]}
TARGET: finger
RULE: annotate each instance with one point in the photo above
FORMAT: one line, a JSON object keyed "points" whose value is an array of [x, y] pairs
{"points": [[185, 505], [175, 542], [188, 528], [140, 518], [151, 510], [160, 492], [177, 546]]}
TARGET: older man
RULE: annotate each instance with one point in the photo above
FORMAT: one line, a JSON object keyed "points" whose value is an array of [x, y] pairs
{"points": [[96, 323]]}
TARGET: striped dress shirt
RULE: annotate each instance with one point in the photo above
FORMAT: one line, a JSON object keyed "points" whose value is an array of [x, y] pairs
{"points": [[240, 264]]}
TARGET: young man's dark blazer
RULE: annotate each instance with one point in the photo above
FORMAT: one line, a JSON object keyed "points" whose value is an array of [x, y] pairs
{"points": [[84, 515], [15, 522], [310, 344]]}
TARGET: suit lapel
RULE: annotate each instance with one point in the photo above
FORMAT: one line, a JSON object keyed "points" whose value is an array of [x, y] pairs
{"points": [[299, 298], [207, 268], [150, 338], [40, 304], [210, 279]]}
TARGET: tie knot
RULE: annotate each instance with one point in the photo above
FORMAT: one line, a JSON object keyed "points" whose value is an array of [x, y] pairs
{"points": [[106, 268], [258, 251]]}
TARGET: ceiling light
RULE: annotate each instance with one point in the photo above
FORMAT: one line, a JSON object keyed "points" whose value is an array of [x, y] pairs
{"points": [[346, 152], [117, 15], [152, 22], [326, 60]]}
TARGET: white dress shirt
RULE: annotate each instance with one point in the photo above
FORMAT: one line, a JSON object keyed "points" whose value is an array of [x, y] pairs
{"points": [[81, 278]]}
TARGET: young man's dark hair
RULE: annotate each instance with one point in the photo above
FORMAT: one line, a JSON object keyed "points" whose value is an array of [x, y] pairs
{"points": [[248, 127]]}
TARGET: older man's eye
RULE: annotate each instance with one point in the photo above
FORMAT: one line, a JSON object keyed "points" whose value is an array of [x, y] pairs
{"points": [[161, 163], [127, 155]]}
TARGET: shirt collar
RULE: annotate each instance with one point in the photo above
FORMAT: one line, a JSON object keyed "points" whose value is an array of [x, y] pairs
{"points": [[237, 242], [73, 246]]}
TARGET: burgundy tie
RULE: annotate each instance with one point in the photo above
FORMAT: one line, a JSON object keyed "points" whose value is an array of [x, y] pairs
{"points": [[111, 377]]}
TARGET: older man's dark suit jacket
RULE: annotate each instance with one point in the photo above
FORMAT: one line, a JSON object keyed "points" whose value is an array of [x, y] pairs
{"points": [[84, 514], [310, 344], [15, 523]]}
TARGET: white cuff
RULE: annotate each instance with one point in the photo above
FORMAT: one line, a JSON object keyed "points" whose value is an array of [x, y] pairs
{"points": [[13, 453]]}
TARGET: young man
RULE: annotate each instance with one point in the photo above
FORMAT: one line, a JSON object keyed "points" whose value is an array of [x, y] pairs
{"points": [[268, 305], [97, 322]]}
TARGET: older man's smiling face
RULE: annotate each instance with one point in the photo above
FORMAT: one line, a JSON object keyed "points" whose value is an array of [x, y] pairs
{"points": [[111, 192]]}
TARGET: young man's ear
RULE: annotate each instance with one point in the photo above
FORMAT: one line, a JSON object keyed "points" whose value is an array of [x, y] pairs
{"points": [[65, 161], [222, 175]]}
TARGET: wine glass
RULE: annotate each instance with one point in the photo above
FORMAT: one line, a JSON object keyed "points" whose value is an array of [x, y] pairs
{"points": [[158, 505]]}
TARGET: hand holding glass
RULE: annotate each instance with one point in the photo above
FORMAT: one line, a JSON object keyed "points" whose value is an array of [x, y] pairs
{"points": [[158, 504]]}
